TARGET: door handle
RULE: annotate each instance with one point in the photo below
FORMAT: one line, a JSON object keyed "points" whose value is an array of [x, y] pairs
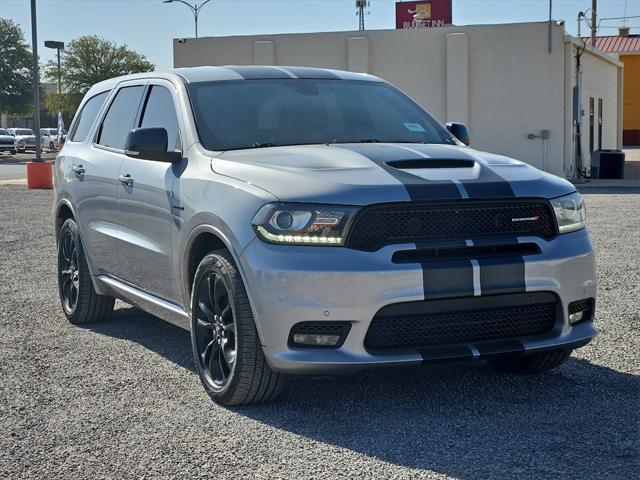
{"points": [[78, 169], [126, 179]]}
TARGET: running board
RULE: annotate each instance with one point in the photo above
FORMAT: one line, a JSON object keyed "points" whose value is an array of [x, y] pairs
{"points": [[158, 307]]}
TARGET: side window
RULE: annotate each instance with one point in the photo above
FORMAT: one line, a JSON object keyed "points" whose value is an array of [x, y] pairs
{"points": [[160, 111], [86, 116], [119, 119]]}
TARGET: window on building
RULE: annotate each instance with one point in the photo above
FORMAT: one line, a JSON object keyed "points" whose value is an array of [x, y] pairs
{"points": [[120, 117], [592, 118], [599, 124]]}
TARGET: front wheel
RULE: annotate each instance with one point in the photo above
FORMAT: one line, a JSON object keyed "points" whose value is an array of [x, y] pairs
{"points": [[80, 302], [534, 363], [226, 347]]}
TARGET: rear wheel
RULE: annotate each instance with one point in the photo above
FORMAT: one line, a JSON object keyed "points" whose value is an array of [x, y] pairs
{"points": [[80, 302], [226, 347], [535, 363]]}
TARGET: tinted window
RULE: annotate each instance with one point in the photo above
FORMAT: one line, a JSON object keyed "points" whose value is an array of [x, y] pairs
{"points": [[241, 114], [120, 117], [3, 132], [24, 131], [86, 116], [160, 111]]}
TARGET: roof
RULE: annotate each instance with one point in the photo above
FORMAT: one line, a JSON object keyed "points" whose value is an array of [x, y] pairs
{"points": [[256, 72], [617, 44]]}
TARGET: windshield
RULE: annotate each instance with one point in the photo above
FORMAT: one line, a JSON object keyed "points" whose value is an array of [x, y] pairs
{"points": [[24, 131], [3, 132], [265, 113]]}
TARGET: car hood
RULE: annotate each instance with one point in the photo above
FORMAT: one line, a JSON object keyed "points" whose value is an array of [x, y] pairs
{"points": [[25, 137], [361, 174], [6, 137]]}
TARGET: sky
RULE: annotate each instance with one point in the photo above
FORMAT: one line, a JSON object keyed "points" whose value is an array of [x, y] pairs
{"points": [[148, 26]]}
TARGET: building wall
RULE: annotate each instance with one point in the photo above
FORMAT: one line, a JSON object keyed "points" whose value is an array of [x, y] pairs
{"points": [[499, 79], [631, 110]]}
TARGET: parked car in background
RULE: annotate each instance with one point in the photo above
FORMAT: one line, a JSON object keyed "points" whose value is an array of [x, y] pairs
{"points": [[311, 221], [49, 138], [25, 138], [7, 142]]}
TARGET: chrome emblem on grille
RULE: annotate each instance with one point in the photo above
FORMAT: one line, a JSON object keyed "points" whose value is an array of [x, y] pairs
{"points": [[526, 219]]}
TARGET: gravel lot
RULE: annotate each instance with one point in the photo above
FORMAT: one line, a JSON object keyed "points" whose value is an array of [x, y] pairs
{"points": [[121, 399]]}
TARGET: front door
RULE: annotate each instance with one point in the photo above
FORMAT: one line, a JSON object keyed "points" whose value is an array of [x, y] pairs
{"points": [[146, 202]]}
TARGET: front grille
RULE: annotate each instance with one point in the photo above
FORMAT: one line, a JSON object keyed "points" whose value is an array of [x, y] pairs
{"points": [[6, 142], [386, 224], [478, 319]]}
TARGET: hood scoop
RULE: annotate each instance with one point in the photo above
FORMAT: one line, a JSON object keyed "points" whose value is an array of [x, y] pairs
{"points": [[419, 163]]}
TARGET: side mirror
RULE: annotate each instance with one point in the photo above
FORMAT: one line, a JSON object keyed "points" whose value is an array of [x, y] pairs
{"points": [[150, 144], [460, 131]]}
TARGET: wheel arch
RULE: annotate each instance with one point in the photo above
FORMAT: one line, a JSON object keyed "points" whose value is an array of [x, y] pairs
{"points": [[64, 211], [202, 240]]}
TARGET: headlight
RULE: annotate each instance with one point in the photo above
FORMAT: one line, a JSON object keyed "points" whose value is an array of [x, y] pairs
{"points": [[303, 224], [570, 212]]}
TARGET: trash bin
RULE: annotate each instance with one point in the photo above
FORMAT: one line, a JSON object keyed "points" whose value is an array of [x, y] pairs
{"points": [[607, 164]]}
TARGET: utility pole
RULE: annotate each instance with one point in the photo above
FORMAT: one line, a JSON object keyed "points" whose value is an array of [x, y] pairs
{"points": [[594, 25], [36, 83]]}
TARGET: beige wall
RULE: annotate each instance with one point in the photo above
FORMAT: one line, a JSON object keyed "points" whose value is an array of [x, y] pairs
{"points": [[499, 79]]}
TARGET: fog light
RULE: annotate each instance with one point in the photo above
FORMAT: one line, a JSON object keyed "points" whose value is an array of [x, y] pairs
{"points": [[575, 317], [316, 340]]}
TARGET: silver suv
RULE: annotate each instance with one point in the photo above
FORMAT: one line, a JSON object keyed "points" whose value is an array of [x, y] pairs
{"points": [[305, 221]]}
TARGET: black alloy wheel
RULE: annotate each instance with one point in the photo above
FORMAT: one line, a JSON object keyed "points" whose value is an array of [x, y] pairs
{"points": [[215, 331], [69, 272]]}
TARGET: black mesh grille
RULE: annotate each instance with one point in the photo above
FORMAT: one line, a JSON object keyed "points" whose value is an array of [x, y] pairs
{"points": [[469, 326], [581, 305], [386, 224]]}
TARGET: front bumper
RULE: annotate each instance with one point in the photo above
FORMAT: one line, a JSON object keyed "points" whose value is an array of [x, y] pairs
{"points": [[292, 284], [9, 147]]}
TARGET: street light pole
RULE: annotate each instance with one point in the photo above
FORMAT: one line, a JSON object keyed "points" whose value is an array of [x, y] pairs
{"points": [[59, 46], [195, 10], [36, 84]]}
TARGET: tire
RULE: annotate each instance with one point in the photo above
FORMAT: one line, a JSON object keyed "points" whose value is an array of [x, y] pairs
{"points": [[247, 378], [21, 150], [51, 147], [79, 300], [535, 363], [12, 152]]}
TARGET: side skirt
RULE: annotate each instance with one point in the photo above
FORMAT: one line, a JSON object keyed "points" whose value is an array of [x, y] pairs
{"points": [[158, 307]]}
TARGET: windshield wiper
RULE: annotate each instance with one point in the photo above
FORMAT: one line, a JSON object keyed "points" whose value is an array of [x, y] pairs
{"points": [[369, 140], [263, 145]]}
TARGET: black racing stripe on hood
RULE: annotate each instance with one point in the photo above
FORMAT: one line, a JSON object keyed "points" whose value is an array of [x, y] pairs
{"points": [[256, 73], [439, 279], [488, 184], [417, 187], [303, 72]]}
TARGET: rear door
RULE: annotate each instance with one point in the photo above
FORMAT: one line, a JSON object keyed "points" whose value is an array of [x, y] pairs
{"points": [[146, 202], [96, 167]]}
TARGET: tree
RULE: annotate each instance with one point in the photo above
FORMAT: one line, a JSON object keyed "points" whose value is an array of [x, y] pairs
{"points": [[88, 60], [15, 69]]}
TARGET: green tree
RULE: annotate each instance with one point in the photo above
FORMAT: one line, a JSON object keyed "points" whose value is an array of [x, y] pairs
{"points": [[15, 69], [88, 60]]}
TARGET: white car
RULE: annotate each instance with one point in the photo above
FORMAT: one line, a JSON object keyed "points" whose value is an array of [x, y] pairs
{"points": [[49, 138], [24, 138], [7, 142]]}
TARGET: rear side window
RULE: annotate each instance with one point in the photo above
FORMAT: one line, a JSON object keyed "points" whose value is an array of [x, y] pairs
{"points": [[160, 111], [86, 116], [120, 117]]}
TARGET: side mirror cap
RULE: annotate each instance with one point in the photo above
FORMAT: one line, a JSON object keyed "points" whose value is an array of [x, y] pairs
{"points": [[460, 131], [150, 144]]}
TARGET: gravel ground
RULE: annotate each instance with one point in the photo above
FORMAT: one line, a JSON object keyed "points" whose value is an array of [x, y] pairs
{"points": [[121, 399]]}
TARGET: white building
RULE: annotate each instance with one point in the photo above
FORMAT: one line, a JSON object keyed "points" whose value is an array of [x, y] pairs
{"points": [[501, 80]]}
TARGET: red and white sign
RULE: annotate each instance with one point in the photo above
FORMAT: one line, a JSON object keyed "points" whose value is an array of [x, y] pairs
{"points": [[425, 14]]}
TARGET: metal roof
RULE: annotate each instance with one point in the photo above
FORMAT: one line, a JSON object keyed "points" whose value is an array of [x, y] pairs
{"points": [[254, 72], [616, 43]]}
